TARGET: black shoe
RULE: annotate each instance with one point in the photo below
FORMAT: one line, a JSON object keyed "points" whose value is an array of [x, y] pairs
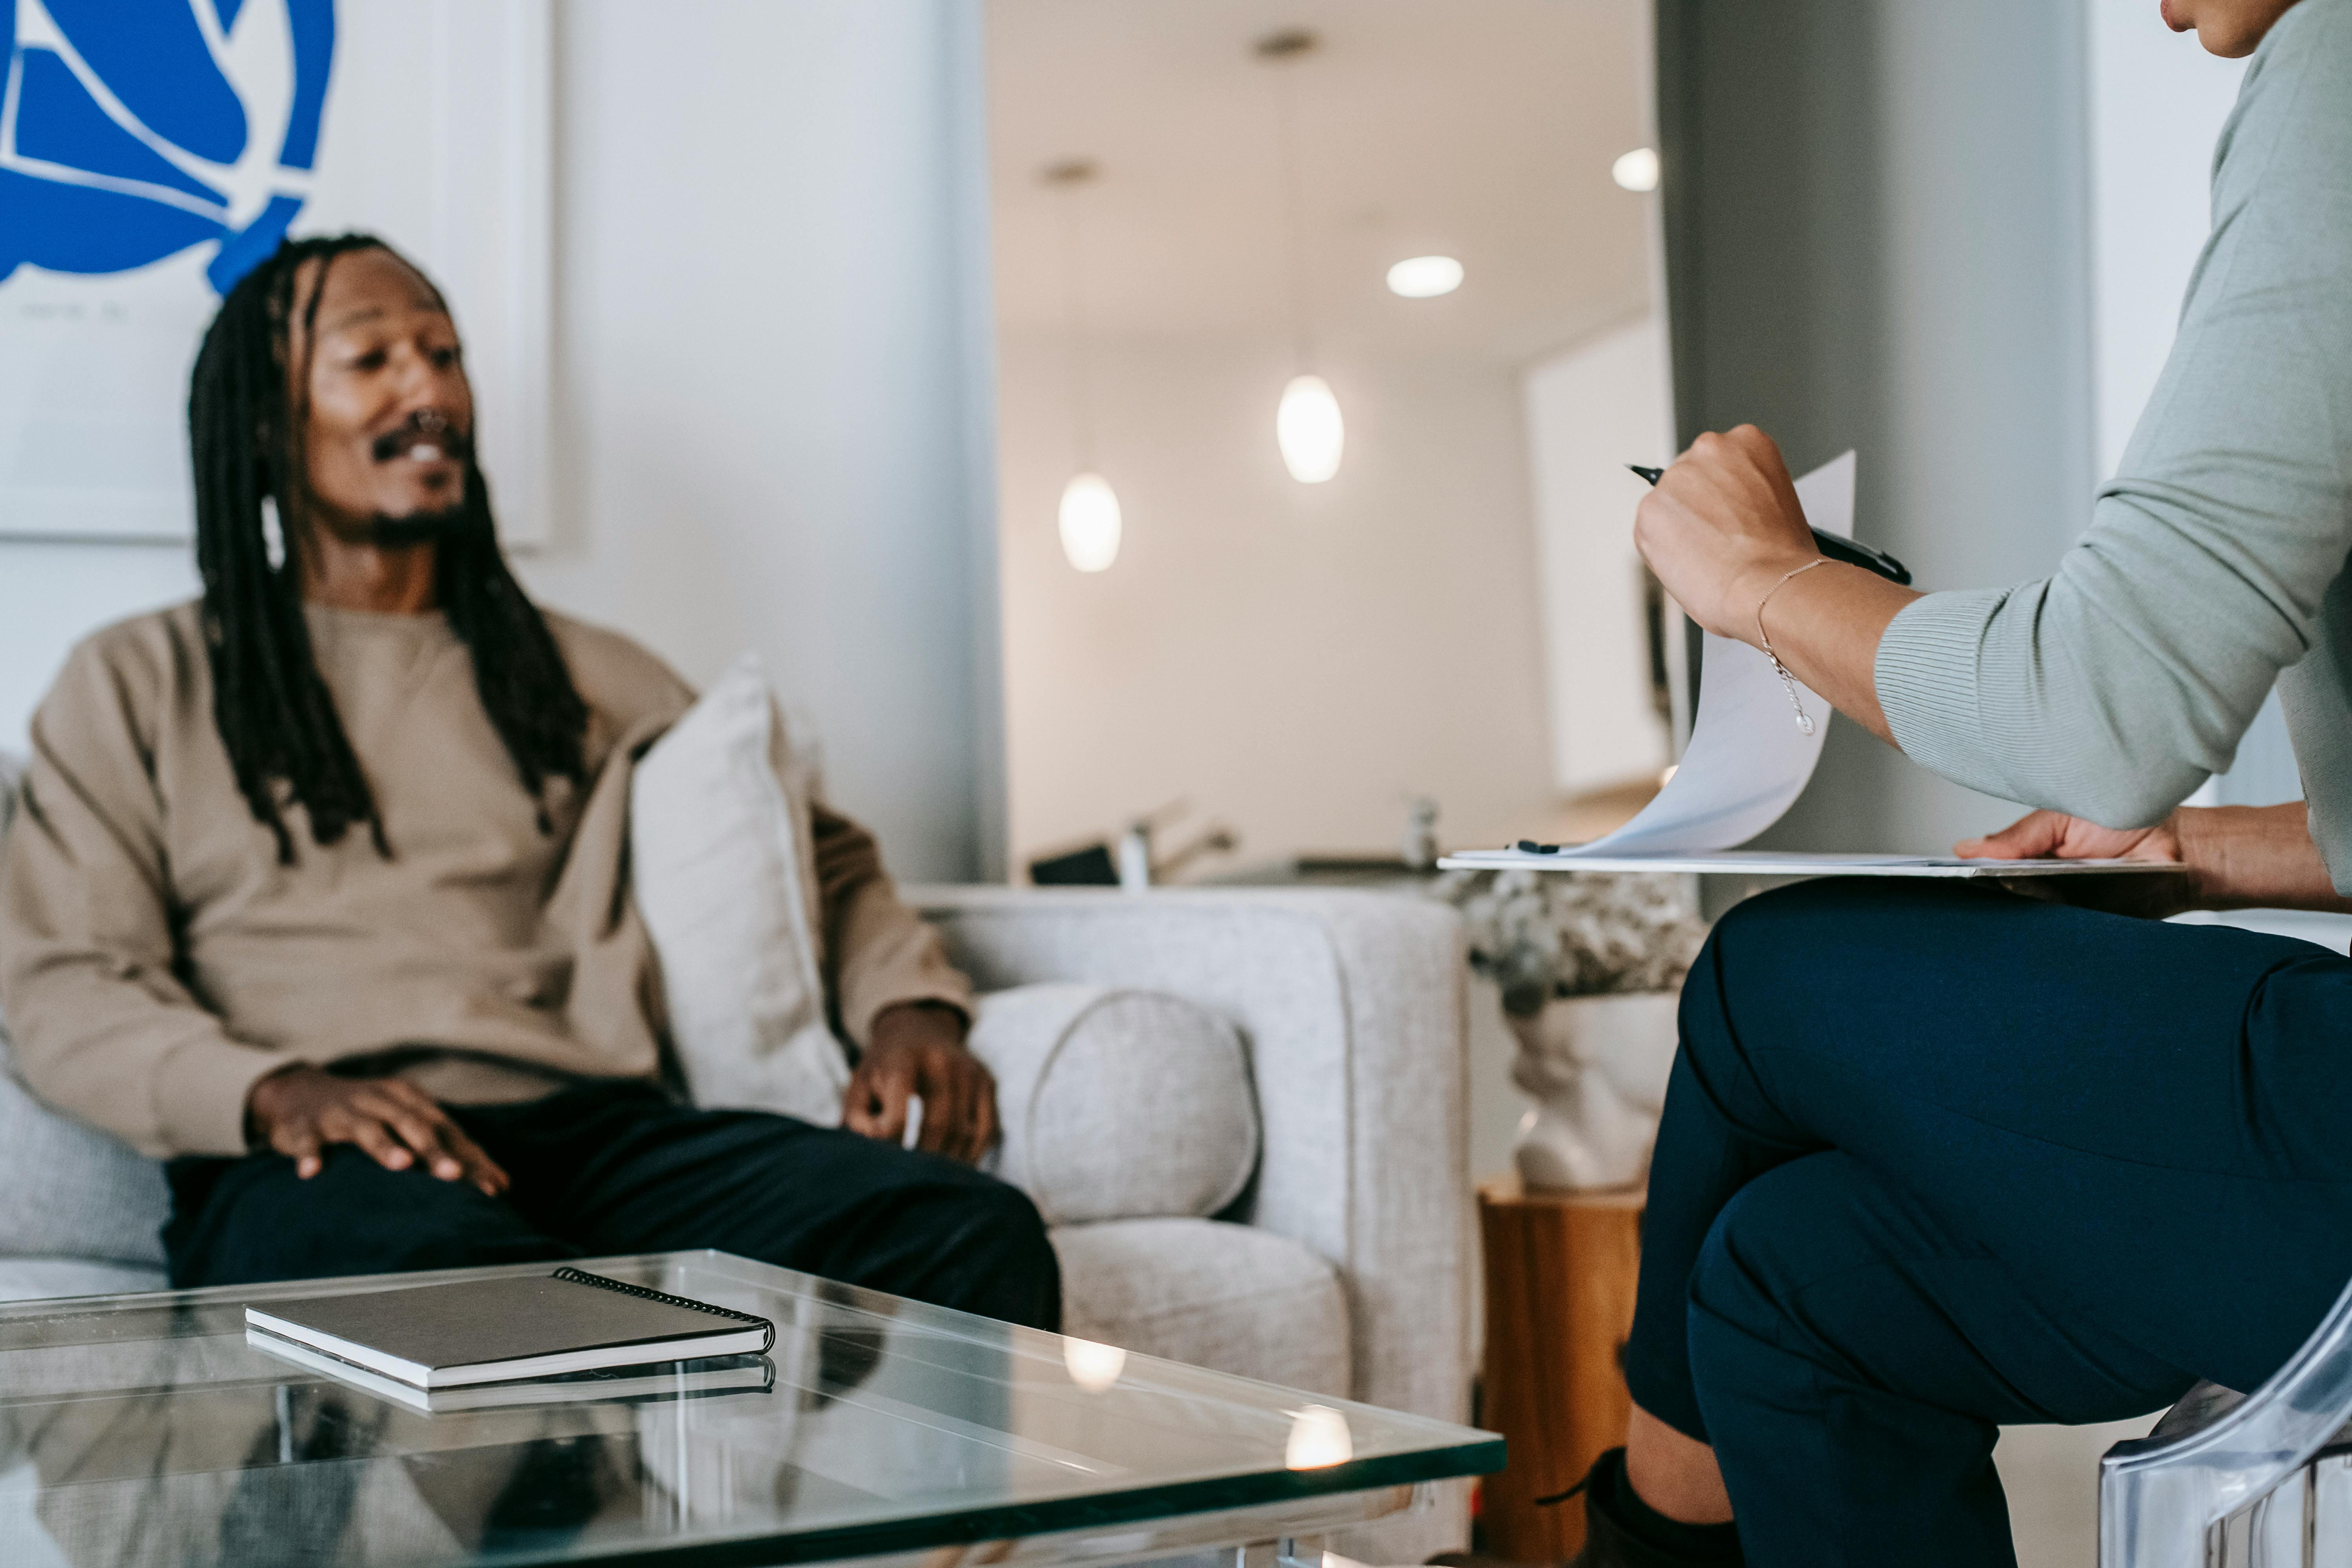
{"points": [[1606, 1545], [1608, 1541]]}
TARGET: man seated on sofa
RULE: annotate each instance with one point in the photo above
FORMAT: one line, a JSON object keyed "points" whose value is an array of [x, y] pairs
{"points": [[319, 888]]}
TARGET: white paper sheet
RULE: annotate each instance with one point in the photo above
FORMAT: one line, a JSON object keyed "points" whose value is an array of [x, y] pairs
{"points": [[1747, 762]]}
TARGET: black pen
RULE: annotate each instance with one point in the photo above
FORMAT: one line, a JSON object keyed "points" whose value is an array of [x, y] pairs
{"points": [[1828, 544]]}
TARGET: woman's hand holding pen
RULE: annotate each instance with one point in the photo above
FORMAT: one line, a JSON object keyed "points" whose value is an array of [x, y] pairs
{"points": [[1721, 526], [1723, 530]]}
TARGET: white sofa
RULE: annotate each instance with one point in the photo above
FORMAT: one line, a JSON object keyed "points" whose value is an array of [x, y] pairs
{"points": [[1346, 1267], [1343, 1268]]}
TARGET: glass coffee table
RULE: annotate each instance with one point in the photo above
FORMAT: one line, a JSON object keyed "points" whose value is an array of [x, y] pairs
{"points": [[145, 1429]]}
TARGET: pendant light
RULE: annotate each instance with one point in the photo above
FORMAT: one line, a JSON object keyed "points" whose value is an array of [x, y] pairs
{"points": [[1089, 520], [1310, 430], [1637, 171], [1307, 425]]}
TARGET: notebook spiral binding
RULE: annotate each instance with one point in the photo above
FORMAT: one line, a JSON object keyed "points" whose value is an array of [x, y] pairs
{"points": [[582, 1277]]}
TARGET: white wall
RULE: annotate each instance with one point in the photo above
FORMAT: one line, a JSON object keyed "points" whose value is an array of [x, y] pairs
{"points": [[52, 595], [1292, 658], [764, 388], [1591, 410], [762, 372], [2156, 106], [2157, 103], [1876, 240]]}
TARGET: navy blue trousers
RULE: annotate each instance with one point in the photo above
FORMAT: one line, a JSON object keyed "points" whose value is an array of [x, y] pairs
{"points": [[619, 1168], [1937, 1157]]}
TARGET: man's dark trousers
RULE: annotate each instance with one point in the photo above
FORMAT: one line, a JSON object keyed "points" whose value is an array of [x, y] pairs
{"points": [[1937, 1158], [619, 1168]]}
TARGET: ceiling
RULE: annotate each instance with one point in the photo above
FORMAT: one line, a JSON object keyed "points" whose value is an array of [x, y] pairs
{"points": [[1479, 129]]}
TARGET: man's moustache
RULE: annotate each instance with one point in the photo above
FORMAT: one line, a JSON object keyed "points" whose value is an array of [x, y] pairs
{"points": [[397, 443]]}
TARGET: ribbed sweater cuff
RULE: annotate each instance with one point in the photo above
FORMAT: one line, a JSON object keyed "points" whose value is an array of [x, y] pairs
{"points": [[1927, 671], [858, 1019], [200, 1091]]}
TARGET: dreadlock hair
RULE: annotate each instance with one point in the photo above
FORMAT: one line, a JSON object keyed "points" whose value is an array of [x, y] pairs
{"points": [[248, 407]]}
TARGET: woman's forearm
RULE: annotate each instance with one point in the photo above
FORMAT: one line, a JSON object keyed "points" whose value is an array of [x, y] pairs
{"points": [[2255, 857], [2055, 724], [1725, 534], [1825, 624]]}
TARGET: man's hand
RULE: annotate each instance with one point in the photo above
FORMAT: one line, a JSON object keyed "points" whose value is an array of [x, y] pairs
{"points": [[918, 1048], [2050, 834], [300, 1110]]}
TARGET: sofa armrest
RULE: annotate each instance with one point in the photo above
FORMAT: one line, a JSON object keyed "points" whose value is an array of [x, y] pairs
{"points": [[1353, 1007]]}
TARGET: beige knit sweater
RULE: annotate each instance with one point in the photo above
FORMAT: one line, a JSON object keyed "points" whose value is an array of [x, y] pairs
{"points": [[156, 960]]}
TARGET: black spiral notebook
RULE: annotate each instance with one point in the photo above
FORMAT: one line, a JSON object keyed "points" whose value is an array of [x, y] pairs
{"points": [[496, 1331]]}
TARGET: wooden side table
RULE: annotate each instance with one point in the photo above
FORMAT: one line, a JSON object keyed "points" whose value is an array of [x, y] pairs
{"points": [[1561, 1271]]}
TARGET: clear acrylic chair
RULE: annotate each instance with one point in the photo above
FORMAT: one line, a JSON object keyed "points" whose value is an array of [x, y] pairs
{"points": [[2232, 1480]]}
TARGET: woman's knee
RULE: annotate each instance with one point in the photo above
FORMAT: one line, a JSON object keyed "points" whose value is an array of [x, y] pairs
{"points": [[1734, 1285], [1821, 1267], [1770, 959], [1755, 935], [1785, 1232], [1786, 922], [1763, 931]]}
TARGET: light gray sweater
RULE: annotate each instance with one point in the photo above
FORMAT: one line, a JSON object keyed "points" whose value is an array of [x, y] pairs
{"points": [[2215, 561]]}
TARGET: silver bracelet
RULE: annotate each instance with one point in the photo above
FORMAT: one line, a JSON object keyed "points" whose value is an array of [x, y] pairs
{"points": [[1788, 681]]}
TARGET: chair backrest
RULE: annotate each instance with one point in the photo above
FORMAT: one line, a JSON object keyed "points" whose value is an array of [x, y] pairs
{"points": [[2204, 1489]]}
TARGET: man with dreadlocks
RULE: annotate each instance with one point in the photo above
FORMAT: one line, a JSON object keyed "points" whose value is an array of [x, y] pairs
{"points": [[318, 892]]}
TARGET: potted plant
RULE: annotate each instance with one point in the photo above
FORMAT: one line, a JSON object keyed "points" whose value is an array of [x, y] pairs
{"points": [[1591, 965]]}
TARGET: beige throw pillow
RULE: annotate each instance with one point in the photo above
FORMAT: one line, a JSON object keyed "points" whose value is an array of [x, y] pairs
{"points": [[722, 857], [1117, 1104]]}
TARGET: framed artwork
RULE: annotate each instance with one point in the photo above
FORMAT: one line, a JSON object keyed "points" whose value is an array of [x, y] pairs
{"points": [[153, 151]]}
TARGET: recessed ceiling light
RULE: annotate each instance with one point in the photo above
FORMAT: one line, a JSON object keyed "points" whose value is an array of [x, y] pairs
{"points": [[1425, 277], [1637, 169]]}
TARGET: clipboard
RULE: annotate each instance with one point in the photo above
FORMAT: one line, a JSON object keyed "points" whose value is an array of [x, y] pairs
{"points": [[1785, 863]]}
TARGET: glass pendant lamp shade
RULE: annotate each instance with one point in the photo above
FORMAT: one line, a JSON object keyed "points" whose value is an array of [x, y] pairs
{"points": [[1090, 523], [1637, 171], [1310, 430]]}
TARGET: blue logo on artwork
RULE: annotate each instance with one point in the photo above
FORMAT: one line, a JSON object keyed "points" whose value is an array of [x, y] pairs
{"points": [[117, 127]]}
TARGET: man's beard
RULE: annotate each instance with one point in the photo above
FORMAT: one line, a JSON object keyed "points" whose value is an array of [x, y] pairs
{"points": [[388, 532], [402, 533]]}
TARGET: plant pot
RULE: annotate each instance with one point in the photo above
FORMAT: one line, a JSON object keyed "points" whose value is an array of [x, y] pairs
{"points": [[1596, 1067]]}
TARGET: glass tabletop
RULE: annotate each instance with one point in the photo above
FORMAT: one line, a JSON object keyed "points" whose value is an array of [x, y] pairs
{"points": [[145, 1429]]}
